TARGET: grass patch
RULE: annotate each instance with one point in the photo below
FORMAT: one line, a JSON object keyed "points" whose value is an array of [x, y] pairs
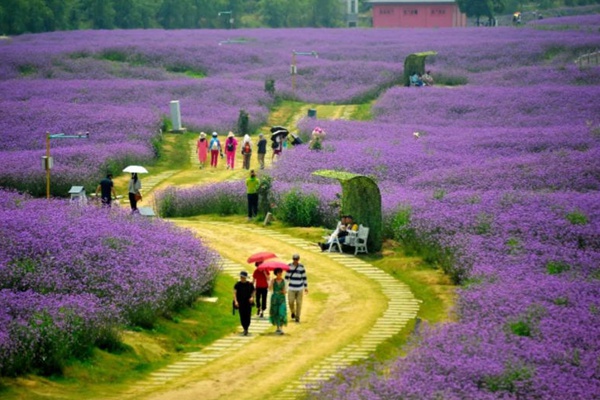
{"points": [[430, 285], [174, 154], [362, 112]]}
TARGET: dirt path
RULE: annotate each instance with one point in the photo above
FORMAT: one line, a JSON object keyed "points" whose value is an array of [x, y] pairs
{"points": [[350, 309]]}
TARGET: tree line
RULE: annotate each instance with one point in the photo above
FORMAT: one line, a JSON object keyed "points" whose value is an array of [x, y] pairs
{"points": [[22, 16]]}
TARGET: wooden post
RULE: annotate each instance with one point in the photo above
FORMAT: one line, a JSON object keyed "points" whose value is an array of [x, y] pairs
{"points": [[47, 165], [293, 71]]}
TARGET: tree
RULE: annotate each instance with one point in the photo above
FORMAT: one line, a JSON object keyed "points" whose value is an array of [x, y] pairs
{"points": [[326, 13], [274, 12], [176, 14], [100, 13], [476, 8]]}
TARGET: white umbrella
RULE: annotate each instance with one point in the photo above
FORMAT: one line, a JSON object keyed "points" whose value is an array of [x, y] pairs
{"points": [[136, 168]]}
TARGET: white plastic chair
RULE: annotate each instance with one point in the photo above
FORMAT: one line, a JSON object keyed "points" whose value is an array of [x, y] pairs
{"points": [[360, 246], [333, 238]]}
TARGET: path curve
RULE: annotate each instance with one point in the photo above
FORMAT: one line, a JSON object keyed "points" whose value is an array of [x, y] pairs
{"points": [[379, 308], [178, 380]]}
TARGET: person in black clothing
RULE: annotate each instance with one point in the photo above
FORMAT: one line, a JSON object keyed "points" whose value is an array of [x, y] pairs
{"points": [[261, 150], [243, 298], [107, 190]]}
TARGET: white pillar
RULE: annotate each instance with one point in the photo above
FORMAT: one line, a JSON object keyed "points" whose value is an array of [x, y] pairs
{"points": [[175, 115]]}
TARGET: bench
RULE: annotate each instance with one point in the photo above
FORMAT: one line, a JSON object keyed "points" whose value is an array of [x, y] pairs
{"points": [[358, 240], [146, 212]]}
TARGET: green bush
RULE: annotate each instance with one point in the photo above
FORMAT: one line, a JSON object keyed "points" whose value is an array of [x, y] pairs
{"points": [[557, 267], [450, 80], [577, 217], [243, 123], [298, 209]]}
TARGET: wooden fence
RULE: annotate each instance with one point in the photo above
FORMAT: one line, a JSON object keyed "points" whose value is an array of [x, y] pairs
{"points": [[588, 60]]}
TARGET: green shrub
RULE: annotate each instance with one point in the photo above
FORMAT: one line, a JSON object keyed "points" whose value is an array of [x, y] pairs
{"points": [[242, 123], [510, 380], [557, 267], [265, 196], [483, 224], [450, 80], [561, 301], [577, 217], [439, 194], [270, 86], [298, 209], [520, 328]]}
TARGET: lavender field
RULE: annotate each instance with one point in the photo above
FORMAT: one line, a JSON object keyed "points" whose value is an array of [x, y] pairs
{"points": [[500, 188], [71, 277]]}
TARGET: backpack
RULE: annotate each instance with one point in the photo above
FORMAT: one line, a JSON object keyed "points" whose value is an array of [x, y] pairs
{"points": [[247, 148], [230, 145], [214, 144]]}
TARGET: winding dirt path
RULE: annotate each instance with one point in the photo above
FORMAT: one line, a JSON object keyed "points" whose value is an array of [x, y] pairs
{"points": [[350, 309]]}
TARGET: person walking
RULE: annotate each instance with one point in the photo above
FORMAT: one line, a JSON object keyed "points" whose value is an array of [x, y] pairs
{"points": [[230, 146], [202, 149], [246, 151], [261, 150], [215, 149], [135, 185], [261, 287], [297, 286], [243, 298], [252, 184], [107, 190], [277, 147], [278, 310]]}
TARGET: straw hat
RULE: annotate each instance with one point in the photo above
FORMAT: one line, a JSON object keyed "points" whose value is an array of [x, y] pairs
{"points": [[230, 134], [202, 135]]}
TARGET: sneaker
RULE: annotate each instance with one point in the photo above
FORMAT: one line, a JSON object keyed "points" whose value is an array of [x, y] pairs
{"points": [[297, 320], [257, 312], [261, 315], [245, 333], [293, 316]]}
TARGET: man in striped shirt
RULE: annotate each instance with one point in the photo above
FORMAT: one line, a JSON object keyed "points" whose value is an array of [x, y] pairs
{"points": [[297, 286]]}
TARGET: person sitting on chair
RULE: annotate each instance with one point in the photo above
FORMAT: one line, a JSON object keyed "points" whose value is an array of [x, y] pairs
{"points": [[427, 78], [346, 225]]}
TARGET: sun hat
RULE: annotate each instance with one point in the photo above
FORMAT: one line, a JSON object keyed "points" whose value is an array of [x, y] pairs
{"points": [[230, 134], [202, 135], [215, 134], [244, 274]]}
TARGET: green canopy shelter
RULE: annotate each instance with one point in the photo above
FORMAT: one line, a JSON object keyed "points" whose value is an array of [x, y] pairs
{"points": [[361, 198], [415, 64]]}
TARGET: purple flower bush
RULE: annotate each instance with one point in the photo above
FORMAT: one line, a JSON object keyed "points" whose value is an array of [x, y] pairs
{"points": [[70, 276]]}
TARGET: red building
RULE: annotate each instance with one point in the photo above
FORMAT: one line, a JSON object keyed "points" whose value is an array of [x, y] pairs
{"points": [[417, 14]]}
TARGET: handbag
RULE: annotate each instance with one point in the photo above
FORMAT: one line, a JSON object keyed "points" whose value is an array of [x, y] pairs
{"points": [[138, 197]]}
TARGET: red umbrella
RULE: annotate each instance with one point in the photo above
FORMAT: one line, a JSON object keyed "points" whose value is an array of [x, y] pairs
{"points": [[261, 256], [272, 265]]}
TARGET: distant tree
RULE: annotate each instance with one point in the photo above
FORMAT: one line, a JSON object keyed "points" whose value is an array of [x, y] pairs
{"points": [[476, 8], [274, 12], [326, 13], [176, 14], [127, 14], [100, 13], [13, 18]]}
